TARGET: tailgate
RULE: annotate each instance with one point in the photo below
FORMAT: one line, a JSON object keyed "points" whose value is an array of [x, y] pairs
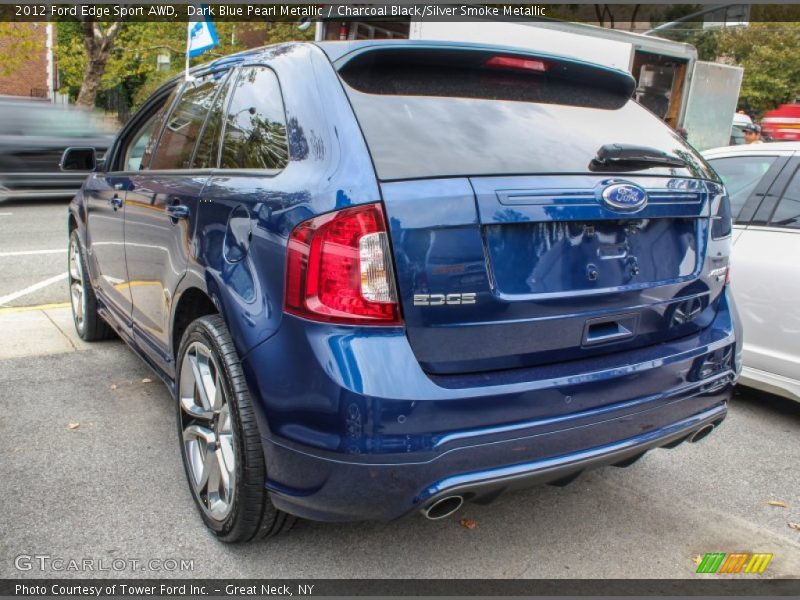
{"points": [[504, 272], [537, 214]]}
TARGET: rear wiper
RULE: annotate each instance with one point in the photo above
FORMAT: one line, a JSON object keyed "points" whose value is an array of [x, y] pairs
{"points": [[613, 157]]}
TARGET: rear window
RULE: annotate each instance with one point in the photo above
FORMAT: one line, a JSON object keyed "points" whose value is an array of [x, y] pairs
{"points": [[434, 113]]}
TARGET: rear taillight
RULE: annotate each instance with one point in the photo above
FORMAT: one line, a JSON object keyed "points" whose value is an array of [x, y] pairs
{"points": [[339, 269]]}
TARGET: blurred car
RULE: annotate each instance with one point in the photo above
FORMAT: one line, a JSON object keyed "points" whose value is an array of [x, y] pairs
{"points": [[33, 136], [783, 123], [763, 182]]}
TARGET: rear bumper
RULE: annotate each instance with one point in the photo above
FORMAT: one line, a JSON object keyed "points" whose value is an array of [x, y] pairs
{"points": [[321, 488], [352, 429], [485, 486]]}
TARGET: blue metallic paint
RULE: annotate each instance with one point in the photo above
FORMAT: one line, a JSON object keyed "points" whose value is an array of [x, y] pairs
{"points": [[366, 422]]}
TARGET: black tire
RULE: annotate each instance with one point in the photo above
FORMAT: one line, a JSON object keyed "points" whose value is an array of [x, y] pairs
{"points": [[251, 514], [90, 326]]}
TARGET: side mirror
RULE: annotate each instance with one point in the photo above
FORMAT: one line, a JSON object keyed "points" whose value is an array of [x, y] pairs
{"points": [[78, 159]]}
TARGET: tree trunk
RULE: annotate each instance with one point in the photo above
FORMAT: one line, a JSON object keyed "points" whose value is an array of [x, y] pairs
{"points": [[92, 75], [634, 15], [98, 45]]}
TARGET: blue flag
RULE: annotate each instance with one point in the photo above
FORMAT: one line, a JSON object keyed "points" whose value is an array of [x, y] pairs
{"points": [[202, 37]]}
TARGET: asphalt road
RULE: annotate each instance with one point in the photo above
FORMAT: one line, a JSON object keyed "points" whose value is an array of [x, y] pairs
{"points": [[114, 487], [33, 252]]}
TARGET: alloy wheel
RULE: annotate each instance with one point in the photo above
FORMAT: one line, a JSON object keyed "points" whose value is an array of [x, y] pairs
{"points": [[207, 432], [76, 290]]}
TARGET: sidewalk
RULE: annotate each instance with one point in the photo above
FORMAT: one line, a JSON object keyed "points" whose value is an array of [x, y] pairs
{"points": [[38, 330]]}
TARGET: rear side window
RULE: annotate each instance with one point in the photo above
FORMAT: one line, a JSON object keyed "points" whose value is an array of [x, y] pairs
{"points": [[185, 122], [787, 213], [207, 152], [255, 124], [440, 113], [741, 175]]}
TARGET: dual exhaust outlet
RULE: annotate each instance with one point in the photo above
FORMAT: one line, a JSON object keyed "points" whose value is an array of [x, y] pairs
{"points": [[444, 507]]}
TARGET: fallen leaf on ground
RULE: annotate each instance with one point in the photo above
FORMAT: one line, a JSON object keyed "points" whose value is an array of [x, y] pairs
{"points": [[113, 386], [147, 380], [697, 559], [780, 503], [468, 523], [73, 426], [794, 525]]}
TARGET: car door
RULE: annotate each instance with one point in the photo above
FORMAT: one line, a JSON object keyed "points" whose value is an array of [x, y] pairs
{"points": [[159, 222], [105, 193], [766, 279]]}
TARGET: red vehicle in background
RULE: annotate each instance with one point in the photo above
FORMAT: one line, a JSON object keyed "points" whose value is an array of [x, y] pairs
{"points": [[783, 123]]}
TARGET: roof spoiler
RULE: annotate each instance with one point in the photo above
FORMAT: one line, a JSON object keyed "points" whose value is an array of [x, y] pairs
{"points": [[487, 57]]}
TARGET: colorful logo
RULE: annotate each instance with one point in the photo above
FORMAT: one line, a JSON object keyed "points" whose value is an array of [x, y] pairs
{"points": [[735, 562]]}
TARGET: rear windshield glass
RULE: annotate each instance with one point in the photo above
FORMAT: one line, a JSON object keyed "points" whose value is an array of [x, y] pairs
{"points": [[426, 114]]}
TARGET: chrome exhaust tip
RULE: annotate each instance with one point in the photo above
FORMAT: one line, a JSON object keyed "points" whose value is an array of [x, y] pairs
{"points": [[701, 433], [443, 508]]}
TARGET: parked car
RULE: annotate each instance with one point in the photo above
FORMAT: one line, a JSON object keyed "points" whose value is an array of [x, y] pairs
{"points": [[33, 136], [740, 121], [389, 277], [763, 182]]}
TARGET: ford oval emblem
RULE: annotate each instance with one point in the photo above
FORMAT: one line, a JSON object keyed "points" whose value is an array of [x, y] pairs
{"points": [[624, 196]]}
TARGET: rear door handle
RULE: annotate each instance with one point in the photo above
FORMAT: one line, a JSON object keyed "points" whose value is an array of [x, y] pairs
{"points": [[116, 202], [178, 211]]}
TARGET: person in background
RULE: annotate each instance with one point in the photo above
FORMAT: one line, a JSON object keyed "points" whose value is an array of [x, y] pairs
{"points": [[752, 134]]}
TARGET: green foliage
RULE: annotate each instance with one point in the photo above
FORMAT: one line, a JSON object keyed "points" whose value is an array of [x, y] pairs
{"points": [[770, 55], [26, 41], [768, 49], [133, 64]]}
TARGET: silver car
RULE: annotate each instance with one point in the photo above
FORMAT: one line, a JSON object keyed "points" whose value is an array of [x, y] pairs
{"points": [[763, 182]]}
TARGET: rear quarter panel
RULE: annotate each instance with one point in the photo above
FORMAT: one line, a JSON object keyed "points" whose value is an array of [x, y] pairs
{"points": [[329, 168]]}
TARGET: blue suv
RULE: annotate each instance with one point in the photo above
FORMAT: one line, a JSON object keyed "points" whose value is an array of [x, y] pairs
{"points": [[383, 278]]}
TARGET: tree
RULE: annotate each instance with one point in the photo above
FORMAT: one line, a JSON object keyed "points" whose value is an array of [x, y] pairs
{"points": [[132, 69], [768, 52], [98, 41], [25, 42]]}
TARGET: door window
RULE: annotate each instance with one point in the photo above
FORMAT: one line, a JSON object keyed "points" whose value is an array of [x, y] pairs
{"points": [[158, 121], [741, 175], [787, 213], [136, 149], [255, 127], [185, 123]]}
